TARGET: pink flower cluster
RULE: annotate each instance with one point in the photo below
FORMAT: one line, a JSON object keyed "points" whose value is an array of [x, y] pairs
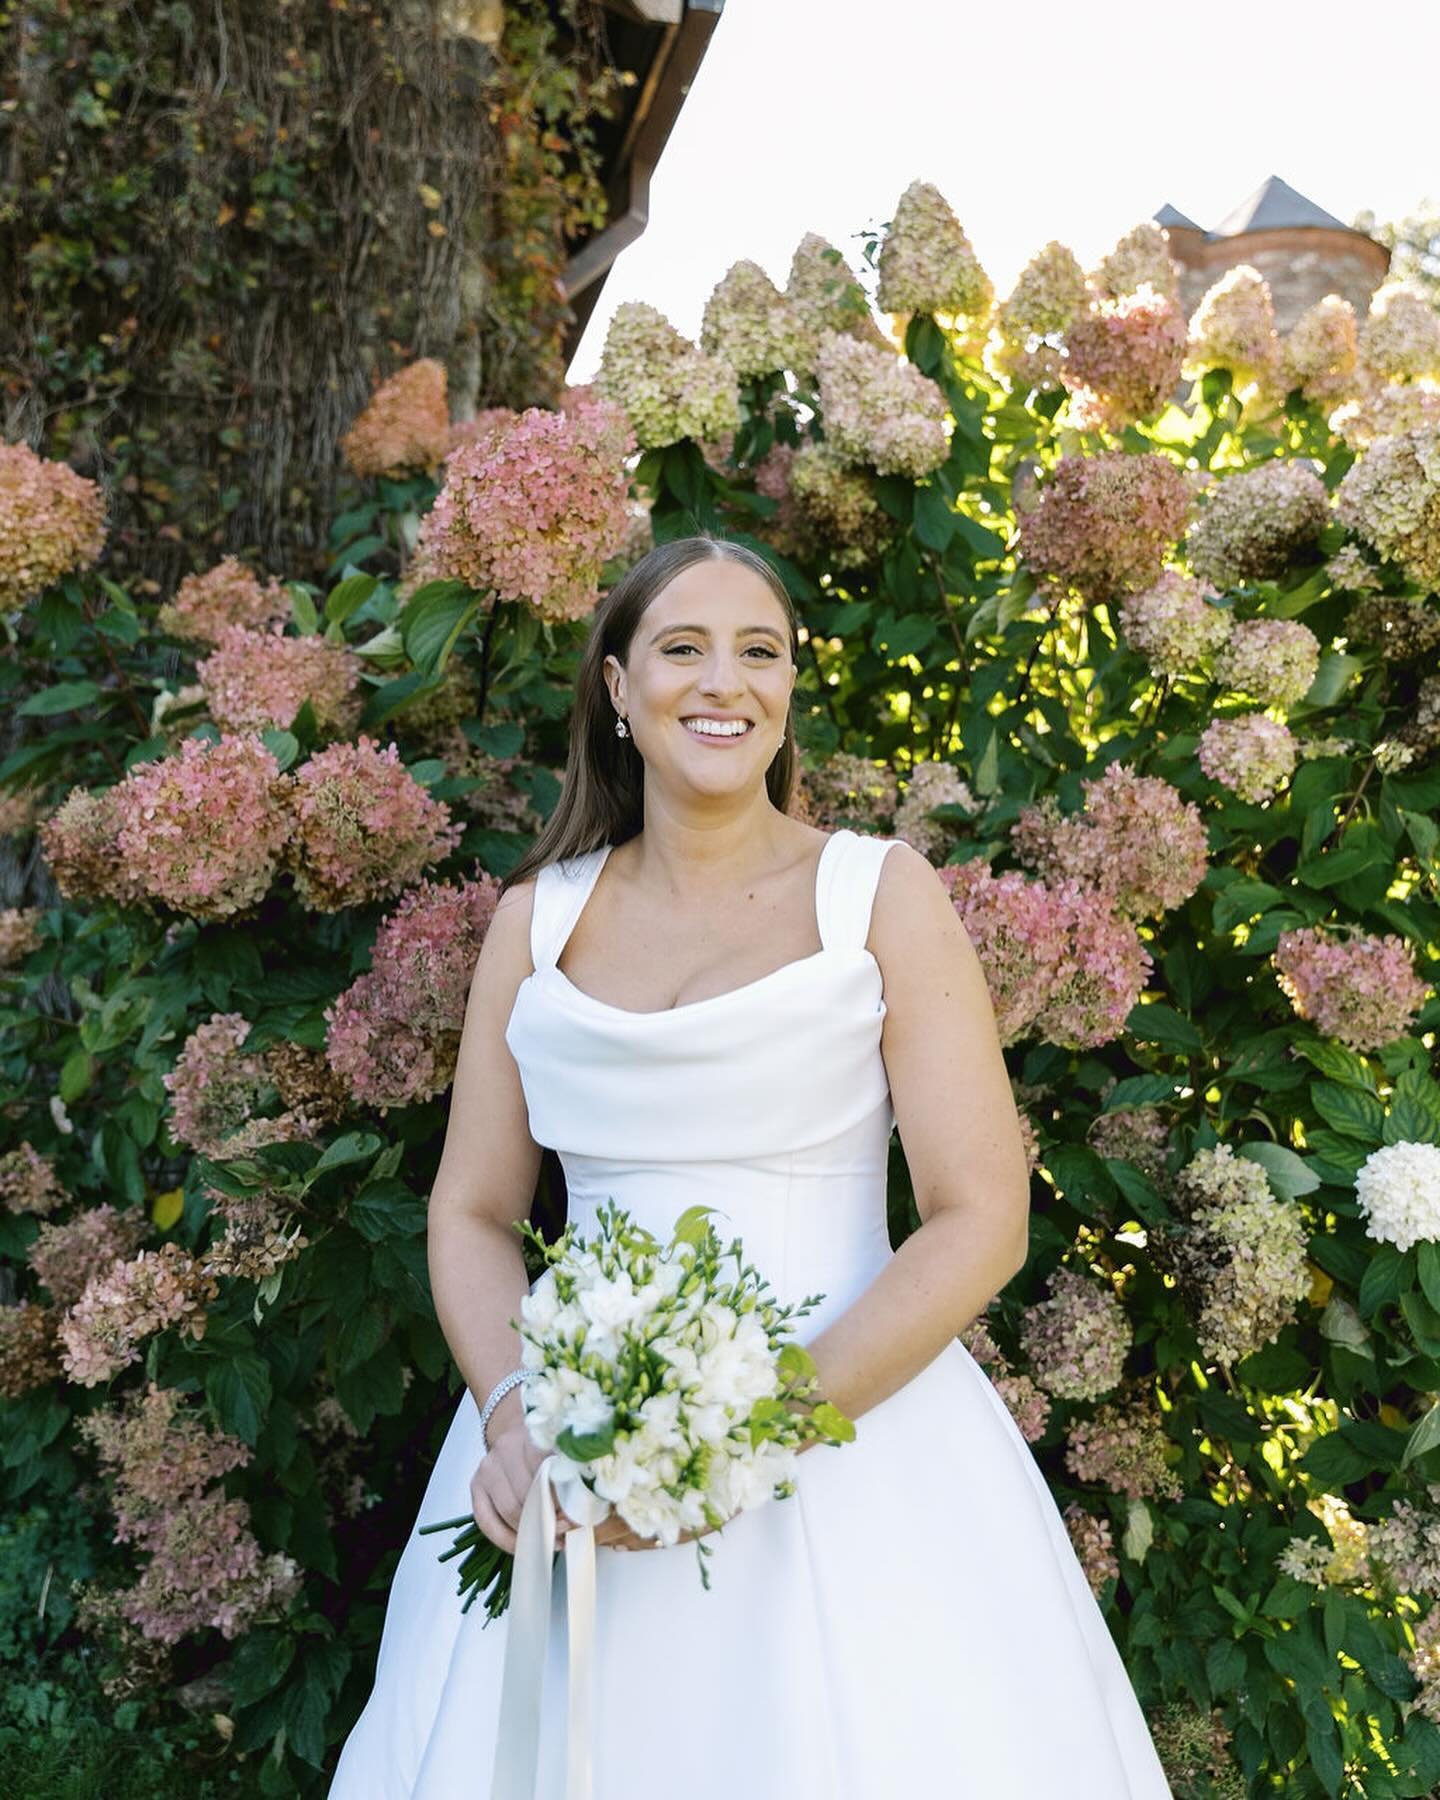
{"points": [[1360, 989], [1175, 624], [123, 1305], [259, 1238], [1381, 409], [1123, 1448], [1254, 524], [1136, 841], [228, 594], [215, 1088], [79, 842], [879, 409], [825, 296], [849, 790], [1027, 347], [1319, 354], [750, 324], [364, 828], [394, 1034], [834, 508], [1105, 524], [1406, 1544], [669, 389], [1058, 961], [205, 1568], [534, 514], [27, 1348], [67, 1257], [1028, 1404], [28, 1182], [1077, 1339], [1252, 755], [1135, 1135], [1402, 627], [1273, 660], [406, 426], [52, 523], [1234, 328], [1094, 1546], [19, 933], [1142, 256], [18, 807], [200, 831], [1390, 496], [928, 785], [256, 680], [927, 264], [1401, 338], [1123, 358]]}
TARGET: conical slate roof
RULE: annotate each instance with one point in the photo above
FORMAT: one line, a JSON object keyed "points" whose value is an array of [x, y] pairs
{"points": [[1274, 205], [1170, 215]]}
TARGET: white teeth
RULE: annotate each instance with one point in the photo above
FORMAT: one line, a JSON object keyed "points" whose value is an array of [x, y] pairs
{"points": [[715, 728]]}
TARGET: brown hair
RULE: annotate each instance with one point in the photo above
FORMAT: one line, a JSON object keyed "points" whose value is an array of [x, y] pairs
{"points": [[602, 800]]}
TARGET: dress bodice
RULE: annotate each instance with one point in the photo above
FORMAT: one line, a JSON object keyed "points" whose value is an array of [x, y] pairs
{"points": [[781, 1064]]}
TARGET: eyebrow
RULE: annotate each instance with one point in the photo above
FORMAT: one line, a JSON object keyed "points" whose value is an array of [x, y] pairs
{"points": [[704, 631]]}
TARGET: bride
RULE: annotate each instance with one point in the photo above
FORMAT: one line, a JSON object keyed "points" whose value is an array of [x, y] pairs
{"points": [[747, 1009]]}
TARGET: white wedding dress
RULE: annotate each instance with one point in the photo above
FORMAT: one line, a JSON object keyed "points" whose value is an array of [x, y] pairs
{"points": [[913, 1621]]}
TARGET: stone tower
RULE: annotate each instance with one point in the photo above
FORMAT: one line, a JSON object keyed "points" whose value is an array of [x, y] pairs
{"points": [[1303, 251]]}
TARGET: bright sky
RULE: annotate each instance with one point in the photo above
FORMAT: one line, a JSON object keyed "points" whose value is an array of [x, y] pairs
{"points": [[1069, 119]]}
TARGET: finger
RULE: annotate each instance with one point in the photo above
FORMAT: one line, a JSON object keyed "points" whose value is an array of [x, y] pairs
{"points": [[493, 1526]]}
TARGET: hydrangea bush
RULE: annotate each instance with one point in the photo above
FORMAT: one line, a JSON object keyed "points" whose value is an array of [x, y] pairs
{"points": [[1124, 620]]}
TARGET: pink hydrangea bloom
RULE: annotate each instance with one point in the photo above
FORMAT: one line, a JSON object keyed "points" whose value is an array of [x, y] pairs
{"points": [[1019, 936], [1105, 524], [1027, 346], [1076, 1340], [28, 1357], [1254, 524], [129, 1302], [1136, 841], [17, 811], [1361, 989], [927, 264], [534, 514], [52, 523], [228, 594], [80, 843], [1123, 1448], [490, 424], [1401, 338], [1234, 328], [364, 828], [1028, 1404], [668, 388], [879, 409], [1094, 1546], [394, 1034], [1319, 354], [65, 1257], [28, 1182], [928, 785], [215, 1087], [19, 933], [256, 680], [1123, 358], [1274, 660], [406, 426], [1175, 624], [202, 831], [159, 1452], [1135, 1135], [1252, 755], [750, 324], [1390, 496], [1142, 256], [1103, 977], [834, 511]]}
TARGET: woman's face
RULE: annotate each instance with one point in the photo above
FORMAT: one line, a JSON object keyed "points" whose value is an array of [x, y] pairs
{"points": [[714, 640]]}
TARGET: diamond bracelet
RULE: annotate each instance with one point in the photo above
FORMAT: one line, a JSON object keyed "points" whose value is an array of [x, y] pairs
{"points": [[497, 1394]]}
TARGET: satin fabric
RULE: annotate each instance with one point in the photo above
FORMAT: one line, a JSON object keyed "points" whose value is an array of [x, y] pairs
{"points": [[913, 1621]]}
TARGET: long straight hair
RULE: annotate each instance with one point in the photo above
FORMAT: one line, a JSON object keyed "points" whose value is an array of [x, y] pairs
{"points": [[603, 797]]}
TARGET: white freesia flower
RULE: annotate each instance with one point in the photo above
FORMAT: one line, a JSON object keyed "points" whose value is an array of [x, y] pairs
{"points": [[1398, 1188]]}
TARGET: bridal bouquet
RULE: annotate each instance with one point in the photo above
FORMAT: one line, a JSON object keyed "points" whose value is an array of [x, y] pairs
{"points": [[659, 1382]]}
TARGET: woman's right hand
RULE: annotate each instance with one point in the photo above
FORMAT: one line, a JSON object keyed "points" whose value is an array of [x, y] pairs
{"points": [[506, 1475]]}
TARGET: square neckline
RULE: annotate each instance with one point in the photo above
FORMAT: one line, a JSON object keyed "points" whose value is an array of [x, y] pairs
{"points": [[552, 965]]}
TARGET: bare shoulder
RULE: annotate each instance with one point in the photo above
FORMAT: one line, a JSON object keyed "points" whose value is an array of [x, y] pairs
{"points": [[916, 935], [505, 952]]}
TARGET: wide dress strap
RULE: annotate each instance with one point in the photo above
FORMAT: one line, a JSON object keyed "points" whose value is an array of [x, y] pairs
{"points": [[561, 890], [845, 894]]}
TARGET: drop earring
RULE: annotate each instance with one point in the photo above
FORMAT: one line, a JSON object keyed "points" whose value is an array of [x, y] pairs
{"points": [[621, 728]]}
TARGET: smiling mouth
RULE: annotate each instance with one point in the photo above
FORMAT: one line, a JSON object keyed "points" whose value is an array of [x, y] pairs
{"points": [[723, 737]]}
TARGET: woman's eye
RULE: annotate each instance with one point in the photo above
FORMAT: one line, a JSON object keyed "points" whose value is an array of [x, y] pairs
{"points": [[770, 655]]}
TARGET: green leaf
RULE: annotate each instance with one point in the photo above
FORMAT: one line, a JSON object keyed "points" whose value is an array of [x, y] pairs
{"points": [[432, 621], [65, 696], [1290, 1175], [1414, 1116], [1333, 676], [1383, 1279], [355, 1146], [1241, 901], [282, 745], [1334, 1463], [1140, 1090], [934, 518], [1336, 1061], [1425, 1436], [238, 1387], [349, 594], [1156, 1023], [586, 1446], [1351, 1111], [387, 1209], [302, 606]]}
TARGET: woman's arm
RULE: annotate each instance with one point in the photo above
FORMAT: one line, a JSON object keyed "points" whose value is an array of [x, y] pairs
{"points": [[961, 1136], [487, 1173]]}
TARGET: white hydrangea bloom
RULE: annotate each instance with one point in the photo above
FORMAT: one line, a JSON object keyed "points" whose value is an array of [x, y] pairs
{"points": [[1398, 1188]]}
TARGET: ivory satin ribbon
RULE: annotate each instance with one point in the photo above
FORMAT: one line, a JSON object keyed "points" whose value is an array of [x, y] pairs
{"points": [[517, 1744]]}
